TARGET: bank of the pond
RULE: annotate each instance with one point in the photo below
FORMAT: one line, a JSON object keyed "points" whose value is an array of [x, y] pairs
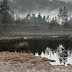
{"points": [[22, 62]]}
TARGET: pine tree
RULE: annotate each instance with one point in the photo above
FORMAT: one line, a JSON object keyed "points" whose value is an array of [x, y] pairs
{"points": [[54, 23], [44, 20], [4, 12], [63, 14], [60, 13], [39, 18], [27, 19], [33, 19]]}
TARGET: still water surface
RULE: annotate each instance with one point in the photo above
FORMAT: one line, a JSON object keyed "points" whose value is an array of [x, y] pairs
{"points": [[60, 55], [58, 49]]}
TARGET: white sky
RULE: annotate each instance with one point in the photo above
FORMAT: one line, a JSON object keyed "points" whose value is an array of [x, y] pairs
{"points": [[67, 1]]}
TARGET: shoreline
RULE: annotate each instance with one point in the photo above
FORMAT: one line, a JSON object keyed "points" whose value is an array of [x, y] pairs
{"points": [[19, 62], [35, 36]]}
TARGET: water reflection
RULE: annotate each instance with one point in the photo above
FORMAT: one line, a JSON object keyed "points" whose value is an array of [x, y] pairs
{"points": [[59, 48], [60, 55]]}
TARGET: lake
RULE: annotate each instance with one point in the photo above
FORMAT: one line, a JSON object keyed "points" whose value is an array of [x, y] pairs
{"points": [[53, 47]]}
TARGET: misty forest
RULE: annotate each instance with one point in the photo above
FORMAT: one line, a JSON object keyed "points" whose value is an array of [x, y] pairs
{"points": [[35, 36], [7, 16]]}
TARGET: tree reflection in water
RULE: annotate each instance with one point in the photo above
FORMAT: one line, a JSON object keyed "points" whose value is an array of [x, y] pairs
{"points": [[60, 55]]}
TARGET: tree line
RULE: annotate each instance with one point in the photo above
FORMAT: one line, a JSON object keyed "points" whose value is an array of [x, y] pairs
{"points": [[7, 17]]}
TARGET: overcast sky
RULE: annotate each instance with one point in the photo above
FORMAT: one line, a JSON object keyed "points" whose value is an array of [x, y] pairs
{"points": [[42, 6]]}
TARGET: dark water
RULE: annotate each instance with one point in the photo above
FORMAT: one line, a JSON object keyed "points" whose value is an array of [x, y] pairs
{"points": [[38, 46], [34, 45]]}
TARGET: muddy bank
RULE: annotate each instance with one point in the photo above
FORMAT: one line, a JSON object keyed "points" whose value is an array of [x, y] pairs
{"points": [[22, 62]]}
